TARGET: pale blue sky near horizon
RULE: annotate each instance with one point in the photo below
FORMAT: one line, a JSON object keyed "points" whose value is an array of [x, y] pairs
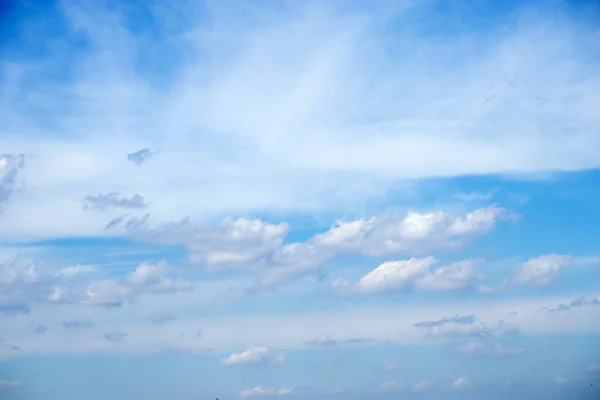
{"points": [[299, 200]]}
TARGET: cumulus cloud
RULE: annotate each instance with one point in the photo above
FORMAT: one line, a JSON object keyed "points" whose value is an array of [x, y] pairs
{"points": [[254, 355], [103, 202], [260, 392], [481, 349], [253, 244], [542, 270], [415, 274], [147, 278]]}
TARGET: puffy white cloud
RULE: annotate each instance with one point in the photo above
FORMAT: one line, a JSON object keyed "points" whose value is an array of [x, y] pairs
{"points": [[147, 278], [260, 392], [481, 349], [542, 270], [257, 245], [254, 355], [415, 274]]}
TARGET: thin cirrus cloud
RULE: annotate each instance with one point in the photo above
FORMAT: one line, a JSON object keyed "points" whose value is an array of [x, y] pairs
{"points": [[320, 143]]}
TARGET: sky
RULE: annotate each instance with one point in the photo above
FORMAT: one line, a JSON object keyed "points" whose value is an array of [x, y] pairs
{"points": [[299, 200]]}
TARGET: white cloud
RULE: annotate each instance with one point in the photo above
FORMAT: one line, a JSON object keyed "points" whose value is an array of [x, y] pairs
{"points": [[542, 270], [415, 274], [145, 279], [481, 349], [560, 380], [254, 355], [419, 387], [259, 392], [460, 382], [305, 111], [463, 326]]}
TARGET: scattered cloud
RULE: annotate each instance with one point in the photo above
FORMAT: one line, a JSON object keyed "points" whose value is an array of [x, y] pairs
{"points": [[147, 278], [261, 392], [593, 368], [141, 156], [542, 270], [253, 244], [579, 302], [481, 349], [560, 380], [104, 202], [461, 382], [416, 274], [254, 355], [456, 327]]}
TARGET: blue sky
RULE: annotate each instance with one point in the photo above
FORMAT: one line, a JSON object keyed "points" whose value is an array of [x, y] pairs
{"points": [[298, 200]]}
